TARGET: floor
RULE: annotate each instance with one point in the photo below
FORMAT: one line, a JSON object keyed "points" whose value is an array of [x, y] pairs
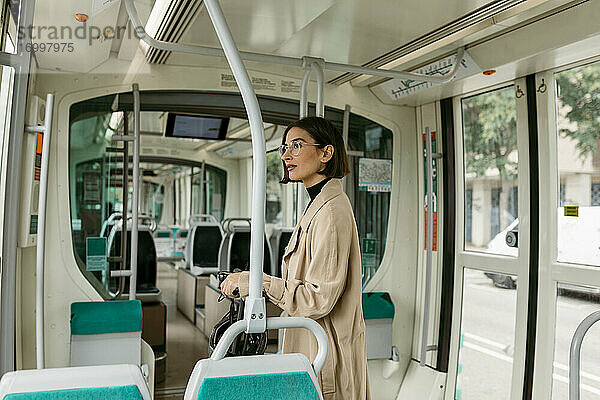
{"points": [[185, 343]]}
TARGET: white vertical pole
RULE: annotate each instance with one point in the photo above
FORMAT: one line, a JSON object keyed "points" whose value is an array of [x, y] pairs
{"points": [[41, 235], [255, 313], [429, 258], [136, 189], [201, 194]]}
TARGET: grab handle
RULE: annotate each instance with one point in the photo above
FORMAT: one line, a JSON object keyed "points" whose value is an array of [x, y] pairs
{"points": [[199, 217], [279, 323], [227, 222]]}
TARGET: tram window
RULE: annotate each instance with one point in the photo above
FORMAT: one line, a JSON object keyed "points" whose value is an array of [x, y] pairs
{"points": [[578, 144], [216, 184], [370, 151], [9, 12], [491, 170], [573, 304], [97, 178], [487, 337]]}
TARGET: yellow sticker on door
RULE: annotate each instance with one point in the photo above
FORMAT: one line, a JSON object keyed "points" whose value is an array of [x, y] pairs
{"points": [[571, 211]]}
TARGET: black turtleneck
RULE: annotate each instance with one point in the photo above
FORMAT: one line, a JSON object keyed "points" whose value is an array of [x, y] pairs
{"points": [[314, 190]]}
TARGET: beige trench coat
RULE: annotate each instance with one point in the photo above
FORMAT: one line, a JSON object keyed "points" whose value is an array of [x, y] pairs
{"points": [[322, 280]]}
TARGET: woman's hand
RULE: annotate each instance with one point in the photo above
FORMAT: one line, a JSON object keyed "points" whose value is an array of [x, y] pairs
{"points": [[230, 285]]}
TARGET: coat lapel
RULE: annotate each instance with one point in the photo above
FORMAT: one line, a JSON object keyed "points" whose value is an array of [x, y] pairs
{"points": [[332, 189]]}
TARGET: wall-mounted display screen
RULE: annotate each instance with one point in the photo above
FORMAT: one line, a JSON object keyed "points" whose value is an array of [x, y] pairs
{"points": [[196, 127]]}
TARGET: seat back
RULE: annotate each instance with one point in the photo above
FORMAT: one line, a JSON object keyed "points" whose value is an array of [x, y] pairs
{"points": [[117, 382], [147, 262], [202, 249], [235, 251], [267, 377], [378, 312], [106, 332]]}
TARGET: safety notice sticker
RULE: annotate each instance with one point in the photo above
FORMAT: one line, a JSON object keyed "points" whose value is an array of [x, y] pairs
{"points": [[375, 175], [95, 254]]}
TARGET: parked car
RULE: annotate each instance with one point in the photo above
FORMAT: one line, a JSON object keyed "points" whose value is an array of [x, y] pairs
{"points": [[573, 231]]}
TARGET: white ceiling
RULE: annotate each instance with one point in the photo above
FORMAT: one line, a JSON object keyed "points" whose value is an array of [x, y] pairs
{"points": [[345, 31], [348, 31]]}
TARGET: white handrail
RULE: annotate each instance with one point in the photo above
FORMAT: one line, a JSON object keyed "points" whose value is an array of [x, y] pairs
{"points": [[46, 130], [255, 308], [304, 92], [575, 354], [320, 109], [292, 61], [110, 219], [311, 64], [279, 323]]}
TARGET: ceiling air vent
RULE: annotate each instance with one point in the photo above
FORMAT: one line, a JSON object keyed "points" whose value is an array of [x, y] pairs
{"points": [[168, 21]]}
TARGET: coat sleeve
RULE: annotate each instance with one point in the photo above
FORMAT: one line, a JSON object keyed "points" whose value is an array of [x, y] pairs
{"points": [[316, 295]]}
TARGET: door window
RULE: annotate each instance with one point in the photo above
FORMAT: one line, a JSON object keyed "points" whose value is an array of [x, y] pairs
{"points": [[578, 127], [491, 171]]}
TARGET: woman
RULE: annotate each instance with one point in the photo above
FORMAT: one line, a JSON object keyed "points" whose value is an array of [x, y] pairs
{"points": [[321, 264]]}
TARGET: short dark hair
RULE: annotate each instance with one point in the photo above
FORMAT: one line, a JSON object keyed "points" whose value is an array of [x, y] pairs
{"points": [[324, 133]]}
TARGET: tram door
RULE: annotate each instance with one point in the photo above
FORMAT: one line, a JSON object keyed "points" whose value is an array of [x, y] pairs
{"points": [[527, 253], [491, 277]]}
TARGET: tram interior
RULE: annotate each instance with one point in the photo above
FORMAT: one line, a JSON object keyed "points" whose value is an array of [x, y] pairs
{"points": [[487, 310]]}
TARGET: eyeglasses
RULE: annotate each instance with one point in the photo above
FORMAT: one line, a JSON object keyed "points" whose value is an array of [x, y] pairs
{"points": [[294, 147]]}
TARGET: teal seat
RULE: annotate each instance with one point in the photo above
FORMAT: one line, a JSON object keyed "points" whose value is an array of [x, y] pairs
{"points": [[286, 386], [99, 382], [266, 377], [377, 305]]}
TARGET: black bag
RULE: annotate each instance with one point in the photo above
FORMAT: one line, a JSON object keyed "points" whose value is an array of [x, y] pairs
{"points": [[244, 344]]}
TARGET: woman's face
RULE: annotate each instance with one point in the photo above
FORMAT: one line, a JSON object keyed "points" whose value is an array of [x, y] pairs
{"points": [[310, 159]]}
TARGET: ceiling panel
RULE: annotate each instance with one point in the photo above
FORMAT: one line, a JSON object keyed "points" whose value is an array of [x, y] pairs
{"points": [[260, 26], [347, 31]]}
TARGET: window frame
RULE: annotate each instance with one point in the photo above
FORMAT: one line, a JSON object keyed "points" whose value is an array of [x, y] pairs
{"points": [[552, 272]]}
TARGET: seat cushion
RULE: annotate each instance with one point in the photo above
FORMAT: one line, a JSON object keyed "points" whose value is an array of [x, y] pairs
{"points": [[129, 392], [284, 386]]}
